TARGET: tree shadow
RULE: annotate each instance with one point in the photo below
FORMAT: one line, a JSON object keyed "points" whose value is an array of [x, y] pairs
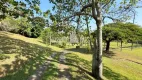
{"points": [[80, 50], [110, 75], [35, 55], [83, 71], [109, 54], [79, 73], [28, 58]]}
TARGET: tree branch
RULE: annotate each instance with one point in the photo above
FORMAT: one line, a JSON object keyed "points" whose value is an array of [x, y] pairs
{"points": [[94, 10], [81, 13], [78, 14], [98, 9], [86, 6], [113, 19]]}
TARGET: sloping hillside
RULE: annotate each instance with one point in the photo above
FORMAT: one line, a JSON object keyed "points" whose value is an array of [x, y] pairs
{"points": [[23, 55], [26, 54]]}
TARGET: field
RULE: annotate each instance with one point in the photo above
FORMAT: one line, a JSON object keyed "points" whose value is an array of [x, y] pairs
{"points": [[21, 56]]}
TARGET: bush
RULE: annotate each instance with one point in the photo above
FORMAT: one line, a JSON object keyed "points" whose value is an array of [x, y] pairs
{"points": [[60, 45], [45, 35], [63, 45]]}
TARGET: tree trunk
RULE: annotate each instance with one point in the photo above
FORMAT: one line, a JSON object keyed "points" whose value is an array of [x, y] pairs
{"points": [[117, 43], [88, 30], [107, 46], [104, 45], [77, 30], [97, 56], [121, 45], [132, 46]]}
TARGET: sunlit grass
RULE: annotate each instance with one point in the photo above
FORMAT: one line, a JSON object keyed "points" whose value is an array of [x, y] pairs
{"points": [[25, 56], [116, 67]]}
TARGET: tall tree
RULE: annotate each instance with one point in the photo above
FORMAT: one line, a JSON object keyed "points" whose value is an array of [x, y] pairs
{"points": [[111, 9]]}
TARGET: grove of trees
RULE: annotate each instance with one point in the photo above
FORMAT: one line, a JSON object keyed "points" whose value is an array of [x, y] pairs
{"points": [[19, 17]]}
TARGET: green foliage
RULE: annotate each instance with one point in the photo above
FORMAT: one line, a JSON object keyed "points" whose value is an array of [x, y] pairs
{"points": [[23, 26], [62, 45], [133, 31], [38, 21], [45, 35], [38, 24], [18, 8], [121, 31], [9, 24], [113, 31]]}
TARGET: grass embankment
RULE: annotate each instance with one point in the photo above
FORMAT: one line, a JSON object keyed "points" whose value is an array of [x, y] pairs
{"points": [[24, 56]]}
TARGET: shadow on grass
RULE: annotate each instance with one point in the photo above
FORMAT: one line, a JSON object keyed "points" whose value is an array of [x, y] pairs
{"points": [[76, 71], [109, 54], [21, 69], [110, 75], [81, 50], [80, 69], [29, 57]]}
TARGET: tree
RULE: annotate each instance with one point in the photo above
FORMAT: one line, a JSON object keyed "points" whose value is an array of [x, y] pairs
{"points": [[112, 32], [24, 27], [38, 25], [88, 31], [46, 35], [107, 7], [9, 24], [120, 31], [133, 32]]}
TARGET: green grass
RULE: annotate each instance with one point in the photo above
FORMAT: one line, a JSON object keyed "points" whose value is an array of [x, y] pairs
{"points": [[26, 54], [74, 70], [117, 66]]}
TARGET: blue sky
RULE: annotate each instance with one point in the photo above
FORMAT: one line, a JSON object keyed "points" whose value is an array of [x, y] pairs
{"points": [[45, 5]]}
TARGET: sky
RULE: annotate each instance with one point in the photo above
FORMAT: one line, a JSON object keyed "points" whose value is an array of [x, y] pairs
{"points": [[46, 5]]}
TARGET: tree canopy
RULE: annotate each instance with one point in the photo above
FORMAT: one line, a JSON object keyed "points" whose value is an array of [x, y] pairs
{"points": [[121, 31]]}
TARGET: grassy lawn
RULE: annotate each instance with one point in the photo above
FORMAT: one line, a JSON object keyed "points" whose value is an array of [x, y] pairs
{"points": [[25, 55], [77, 68], [21, 56], [120, 65]]}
